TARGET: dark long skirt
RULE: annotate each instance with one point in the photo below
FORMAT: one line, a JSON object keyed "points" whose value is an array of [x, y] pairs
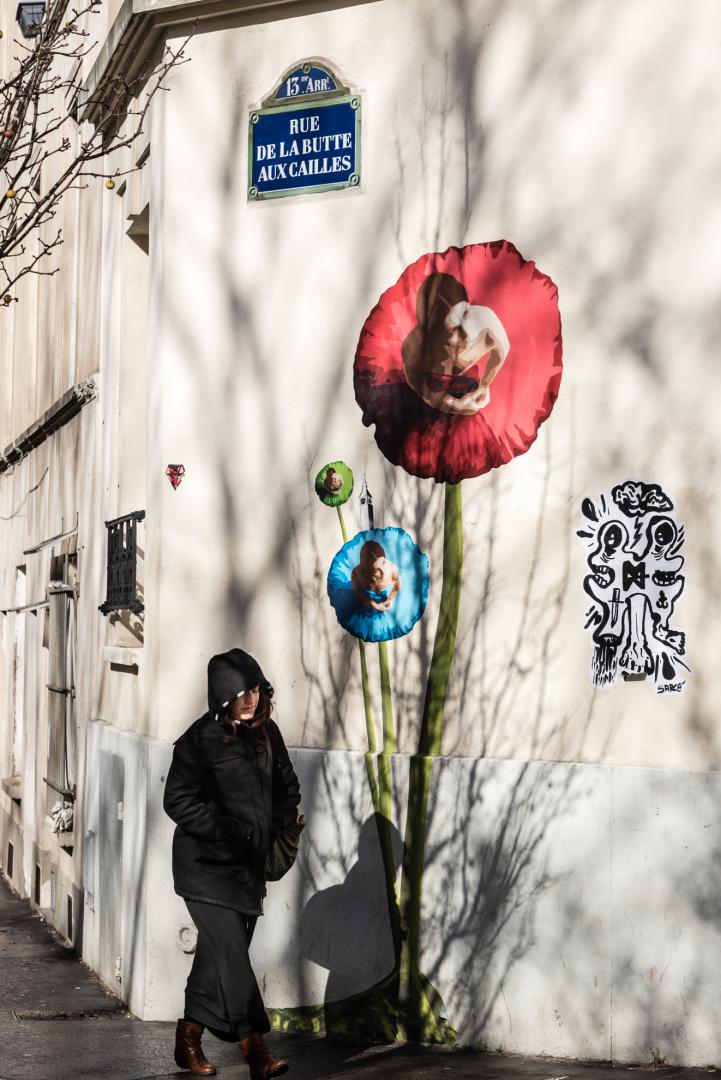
{"points": [[222, 992]]}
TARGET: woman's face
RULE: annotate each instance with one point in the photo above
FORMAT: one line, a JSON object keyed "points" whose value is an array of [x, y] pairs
{"points": [[243, 708]]}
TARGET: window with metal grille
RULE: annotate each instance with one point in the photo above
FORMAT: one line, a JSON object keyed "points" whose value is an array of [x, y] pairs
{"points": [[60, 777], [122, 580]]}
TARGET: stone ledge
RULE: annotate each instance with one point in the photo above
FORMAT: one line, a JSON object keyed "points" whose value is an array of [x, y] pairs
{"points": [[125, 655], [13, 786]]}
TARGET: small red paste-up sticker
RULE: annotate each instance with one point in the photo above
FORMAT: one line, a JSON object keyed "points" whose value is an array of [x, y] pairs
{"points": [[175, 474]]}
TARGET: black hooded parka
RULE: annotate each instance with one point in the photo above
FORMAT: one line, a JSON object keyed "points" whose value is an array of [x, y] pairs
{"points": [[230, 795]]}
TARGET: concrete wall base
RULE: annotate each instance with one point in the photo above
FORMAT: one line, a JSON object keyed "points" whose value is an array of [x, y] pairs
{"points": [[567, 909]]}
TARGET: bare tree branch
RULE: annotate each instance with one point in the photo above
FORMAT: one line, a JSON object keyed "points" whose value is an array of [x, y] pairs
{"points": [[39, 131]]}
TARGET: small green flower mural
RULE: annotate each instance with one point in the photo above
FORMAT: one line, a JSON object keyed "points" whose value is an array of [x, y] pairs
{"points": [[334, 484]]}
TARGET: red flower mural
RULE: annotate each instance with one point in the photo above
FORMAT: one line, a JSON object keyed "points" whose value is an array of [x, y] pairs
{"points": [[460, 361]]}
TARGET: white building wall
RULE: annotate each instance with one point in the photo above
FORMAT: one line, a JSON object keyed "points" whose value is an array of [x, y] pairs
{"points": [[479, 122]]}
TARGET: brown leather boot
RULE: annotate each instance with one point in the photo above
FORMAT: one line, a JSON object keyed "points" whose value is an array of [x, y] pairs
{"points": [[257, 1055], [188, 1052]]}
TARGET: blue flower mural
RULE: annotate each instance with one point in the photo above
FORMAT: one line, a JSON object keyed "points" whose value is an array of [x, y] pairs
{"points": [[378, 584]]}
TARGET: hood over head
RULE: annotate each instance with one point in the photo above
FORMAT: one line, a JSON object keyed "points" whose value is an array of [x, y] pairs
{"points": [[230, 674]]}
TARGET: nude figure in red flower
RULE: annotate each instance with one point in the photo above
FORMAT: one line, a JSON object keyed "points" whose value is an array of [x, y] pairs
{"points": [[453, 354]]}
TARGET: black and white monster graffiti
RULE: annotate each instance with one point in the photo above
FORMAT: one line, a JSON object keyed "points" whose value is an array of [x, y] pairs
{"points": [[635, 579]]}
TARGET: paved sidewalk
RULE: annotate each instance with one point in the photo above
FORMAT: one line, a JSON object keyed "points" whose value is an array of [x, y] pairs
{"points": [[93, 1038]]}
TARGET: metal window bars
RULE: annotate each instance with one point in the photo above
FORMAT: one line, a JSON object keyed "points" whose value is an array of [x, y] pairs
{"points": [[122, 582]]}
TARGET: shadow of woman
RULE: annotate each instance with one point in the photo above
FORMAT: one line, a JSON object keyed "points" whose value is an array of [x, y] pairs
{"points": [[346, 928]]}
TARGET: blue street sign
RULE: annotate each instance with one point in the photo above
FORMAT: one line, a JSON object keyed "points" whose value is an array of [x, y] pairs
{"points": [[306, 138], [299, 82]]}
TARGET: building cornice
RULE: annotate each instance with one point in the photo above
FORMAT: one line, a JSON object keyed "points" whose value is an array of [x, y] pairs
{"points": [[138, 27], [59, 413]]}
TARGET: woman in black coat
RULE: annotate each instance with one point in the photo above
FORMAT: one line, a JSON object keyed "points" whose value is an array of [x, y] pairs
{"points": [[231, 790]]}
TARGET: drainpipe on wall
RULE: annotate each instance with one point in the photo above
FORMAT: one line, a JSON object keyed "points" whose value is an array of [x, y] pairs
{"points": [[73, 340]]}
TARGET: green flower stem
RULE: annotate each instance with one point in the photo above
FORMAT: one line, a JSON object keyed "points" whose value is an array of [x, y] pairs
{"points": [[414, 1003], [389, 735], [389, 747], [370, 728], [372, 782], [385, 786], [384, 825], [342, 524], [367, 700], [417, 1006], [430, 742]]}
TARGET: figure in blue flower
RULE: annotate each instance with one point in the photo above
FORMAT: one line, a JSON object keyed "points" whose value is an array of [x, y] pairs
{"points": [[378, 584], [376, 580]]}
